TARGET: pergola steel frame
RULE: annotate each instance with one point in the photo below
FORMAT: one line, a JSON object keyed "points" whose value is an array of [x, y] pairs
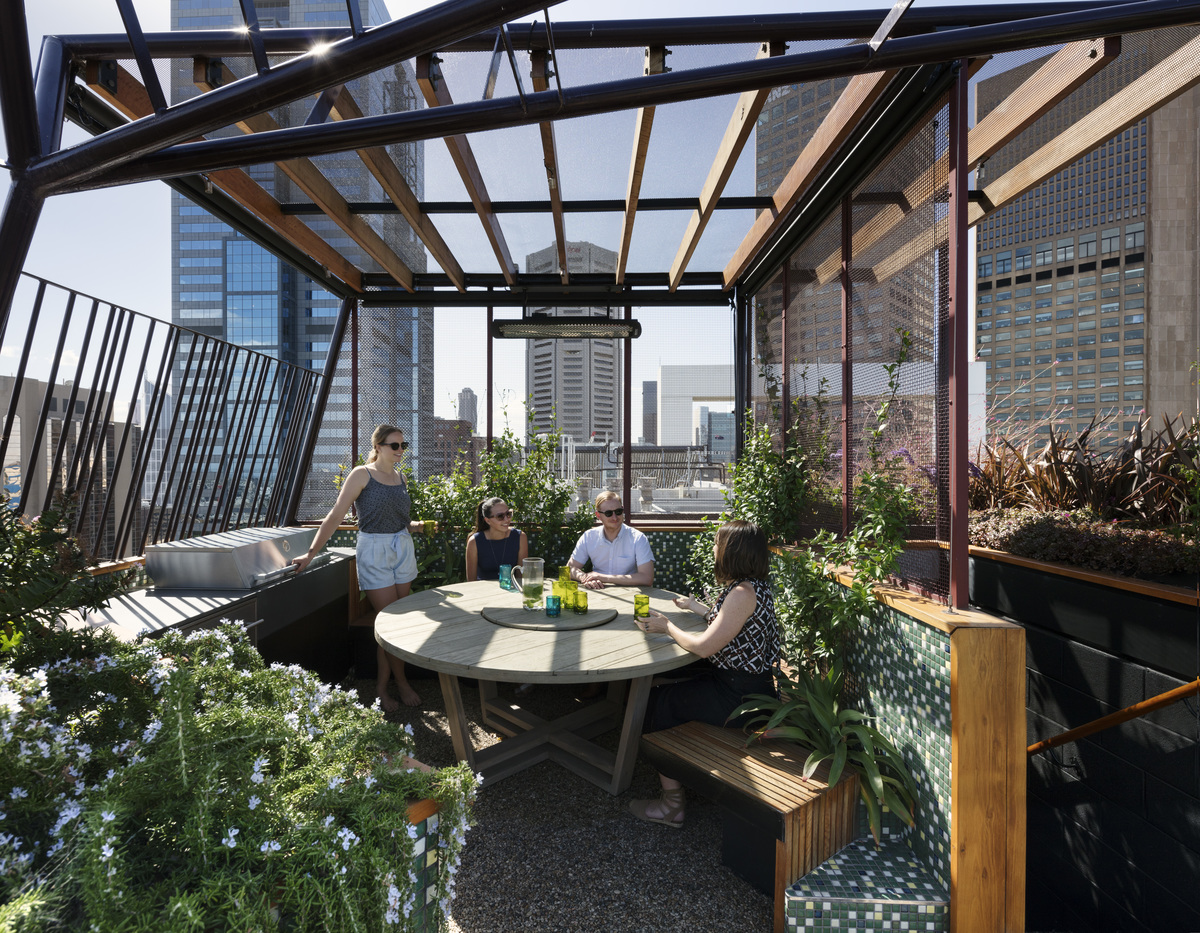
{"points": [[919, 46]]}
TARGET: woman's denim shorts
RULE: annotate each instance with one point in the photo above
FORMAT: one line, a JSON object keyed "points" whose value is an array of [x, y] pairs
{"points": [[385, 560]]}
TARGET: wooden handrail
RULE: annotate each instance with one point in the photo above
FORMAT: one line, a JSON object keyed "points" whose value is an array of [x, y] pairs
{"points": [[1115, 719]]}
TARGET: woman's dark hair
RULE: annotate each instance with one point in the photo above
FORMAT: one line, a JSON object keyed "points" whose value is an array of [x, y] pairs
{"points": [[741, 552], [484, 512]]}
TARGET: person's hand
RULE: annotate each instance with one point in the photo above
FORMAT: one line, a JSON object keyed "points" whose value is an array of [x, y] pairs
{"points": [[653, 624], [301, 562], [591, 580], [683, 602]]}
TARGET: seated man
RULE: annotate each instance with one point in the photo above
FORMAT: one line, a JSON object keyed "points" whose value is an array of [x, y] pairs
{"points": [[620, 555]]}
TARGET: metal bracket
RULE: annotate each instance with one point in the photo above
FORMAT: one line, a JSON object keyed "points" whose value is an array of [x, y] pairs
{"points": [[888, 24]]}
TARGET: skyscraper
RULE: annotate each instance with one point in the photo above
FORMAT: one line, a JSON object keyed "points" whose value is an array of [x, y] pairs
{"points": [[574, 385], [1072, 318], [227, 286], [468, 408], [650, 411]]}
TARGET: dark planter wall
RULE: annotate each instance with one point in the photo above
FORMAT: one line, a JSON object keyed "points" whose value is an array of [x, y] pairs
{"points": [[1113, 819]]}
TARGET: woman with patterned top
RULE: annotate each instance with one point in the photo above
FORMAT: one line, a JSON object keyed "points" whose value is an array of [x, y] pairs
{"points": [[741, 642], [384, 556], [495, 541]]}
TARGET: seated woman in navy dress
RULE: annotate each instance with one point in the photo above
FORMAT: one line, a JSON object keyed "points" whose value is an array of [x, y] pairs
{"points": [[495, 541]]}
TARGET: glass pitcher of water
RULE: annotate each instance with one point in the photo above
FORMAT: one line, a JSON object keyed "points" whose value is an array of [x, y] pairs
{"points": [[528, 579]]}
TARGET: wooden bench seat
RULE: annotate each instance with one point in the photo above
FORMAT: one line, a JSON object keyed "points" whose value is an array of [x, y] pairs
{"points": [[777, 825]]}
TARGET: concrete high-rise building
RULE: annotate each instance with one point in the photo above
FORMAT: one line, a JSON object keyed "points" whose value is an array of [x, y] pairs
{"points": [[681, 389], [468, 408], [574, 386], [650, 411], [1073, 319], [227, 286]]}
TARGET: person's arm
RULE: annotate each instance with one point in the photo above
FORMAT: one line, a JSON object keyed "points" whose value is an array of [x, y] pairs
{"points": [[643, 576], [472, 559], [735, 610], [355, 483], [523, 549]]}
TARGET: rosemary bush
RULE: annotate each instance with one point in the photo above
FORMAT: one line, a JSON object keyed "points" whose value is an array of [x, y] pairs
{"points": [[178, 784]]}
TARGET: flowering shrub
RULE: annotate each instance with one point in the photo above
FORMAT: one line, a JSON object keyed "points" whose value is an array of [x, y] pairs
{"points": [[1081, 539], [179, 784]]}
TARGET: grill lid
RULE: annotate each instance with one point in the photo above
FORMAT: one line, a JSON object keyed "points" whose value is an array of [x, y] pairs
{"points": [[231, 560]]}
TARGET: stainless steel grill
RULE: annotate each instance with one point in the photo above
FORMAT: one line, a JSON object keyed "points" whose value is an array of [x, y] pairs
{"points": [[233, 560]]}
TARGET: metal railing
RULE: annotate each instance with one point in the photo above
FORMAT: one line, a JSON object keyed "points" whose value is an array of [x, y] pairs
{"points": [[149, 431]]}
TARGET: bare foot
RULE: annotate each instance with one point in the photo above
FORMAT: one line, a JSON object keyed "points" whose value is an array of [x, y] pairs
{"points": [[408, 695], [658, 810], [386, 702]]}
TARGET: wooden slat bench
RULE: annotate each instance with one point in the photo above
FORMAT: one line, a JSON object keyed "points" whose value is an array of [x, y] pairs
{"points": [[777, 825]]}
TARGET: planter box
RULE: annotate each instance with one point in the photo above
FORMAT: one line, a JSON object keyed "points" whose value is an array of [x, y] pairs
{"points": [[1149, 623]]}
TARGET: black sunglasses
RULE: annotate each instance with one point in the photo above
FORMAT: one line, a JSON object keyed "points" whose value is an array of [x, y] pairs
{"points": [[396, 445], [501, 515], [609, 513]]}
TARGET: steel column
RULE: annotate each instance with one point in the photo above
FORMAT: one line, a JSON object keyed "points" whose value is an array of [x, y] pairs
{"points": [[18, 221], [847, 368], [19, 378], [958, 326], [741, 370], [17, 106], [785, 375], [491, 372], [50, 93], [304, 462], [626, 414]]}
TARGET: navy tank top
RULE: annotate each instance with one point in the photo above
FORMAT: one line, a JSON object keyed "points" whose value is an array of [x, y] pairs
{"points": [[491, 554]]}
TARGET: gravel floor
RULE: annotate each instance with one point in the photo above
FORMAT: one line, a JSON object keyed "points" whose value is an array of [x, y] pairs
{"points": [[552, 852]]}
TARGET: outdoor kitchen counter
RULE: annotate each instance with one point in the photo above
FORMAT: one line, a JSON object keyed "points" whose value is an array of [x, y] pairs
{"points": [[264, 610]]}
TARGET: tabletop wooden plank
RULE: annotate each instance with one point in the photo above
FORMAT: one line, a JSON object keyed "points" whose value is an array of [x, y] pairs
{"points": [[448, 633]]}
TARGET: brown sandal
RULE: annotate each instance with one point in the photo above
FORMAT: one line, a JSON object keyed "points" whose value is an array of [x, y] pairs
{"points": [[672, 803]]}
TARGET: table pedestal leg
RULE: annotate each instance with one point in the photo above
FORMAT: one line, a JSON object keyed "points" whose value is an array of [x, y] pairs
{"points": [[631, 733], [460, 730]]}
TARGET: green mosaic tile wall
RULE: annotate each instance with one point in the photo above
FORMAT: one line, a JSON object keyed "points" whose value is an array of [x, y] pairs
{"points": [[426, 914], [867, 888], [671, 558], [901, 675]]}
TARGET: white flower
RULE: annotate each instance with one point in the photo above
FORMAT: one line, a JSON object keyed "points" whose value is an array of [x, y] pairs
{"points": [[260, 763], [270, 846], [19, 792], [408, 728], [106, 852], [328, 821], [369, 780], [229, 840], [151, 731], [107, 815], [348, 838], [257, 777], [254, 801]]}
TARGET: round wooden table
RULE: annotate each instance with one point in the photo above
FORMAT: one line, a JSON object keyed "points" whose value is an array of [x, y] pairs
{"points": [[444, 629]]}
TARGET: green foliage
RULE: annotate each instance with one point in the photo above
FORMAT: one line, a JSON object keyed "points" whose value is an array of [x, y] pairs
{"points": [[43, 575], [180, 784], [808, 711], [1082, 539], [526, 479], [1145, 479]]}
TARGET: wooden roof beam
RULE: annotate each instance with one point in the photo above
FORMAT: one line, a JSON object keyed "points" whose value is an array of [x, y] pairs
{"points": [[320, 189], [1175, 75], [132, 100], [380, 164], [655, 64], [737, 133], [433, 87], [540, 76], [852, 105], [1064, 72]]}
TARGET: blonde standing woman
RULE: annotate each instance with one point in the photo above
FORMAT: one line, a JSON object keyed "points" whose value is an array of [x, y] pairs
{"points": [[385, 556]]}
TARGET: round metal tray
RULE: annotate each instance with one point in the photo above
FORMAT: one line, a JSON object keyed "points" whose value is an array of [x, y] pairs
{"points": [[540, 622]]}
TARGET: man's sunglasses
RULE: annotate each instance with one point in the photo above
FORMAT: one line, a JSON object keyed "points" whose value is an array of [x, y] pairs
{"points": [[396, 445], [501, 515], [609, 513]]}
